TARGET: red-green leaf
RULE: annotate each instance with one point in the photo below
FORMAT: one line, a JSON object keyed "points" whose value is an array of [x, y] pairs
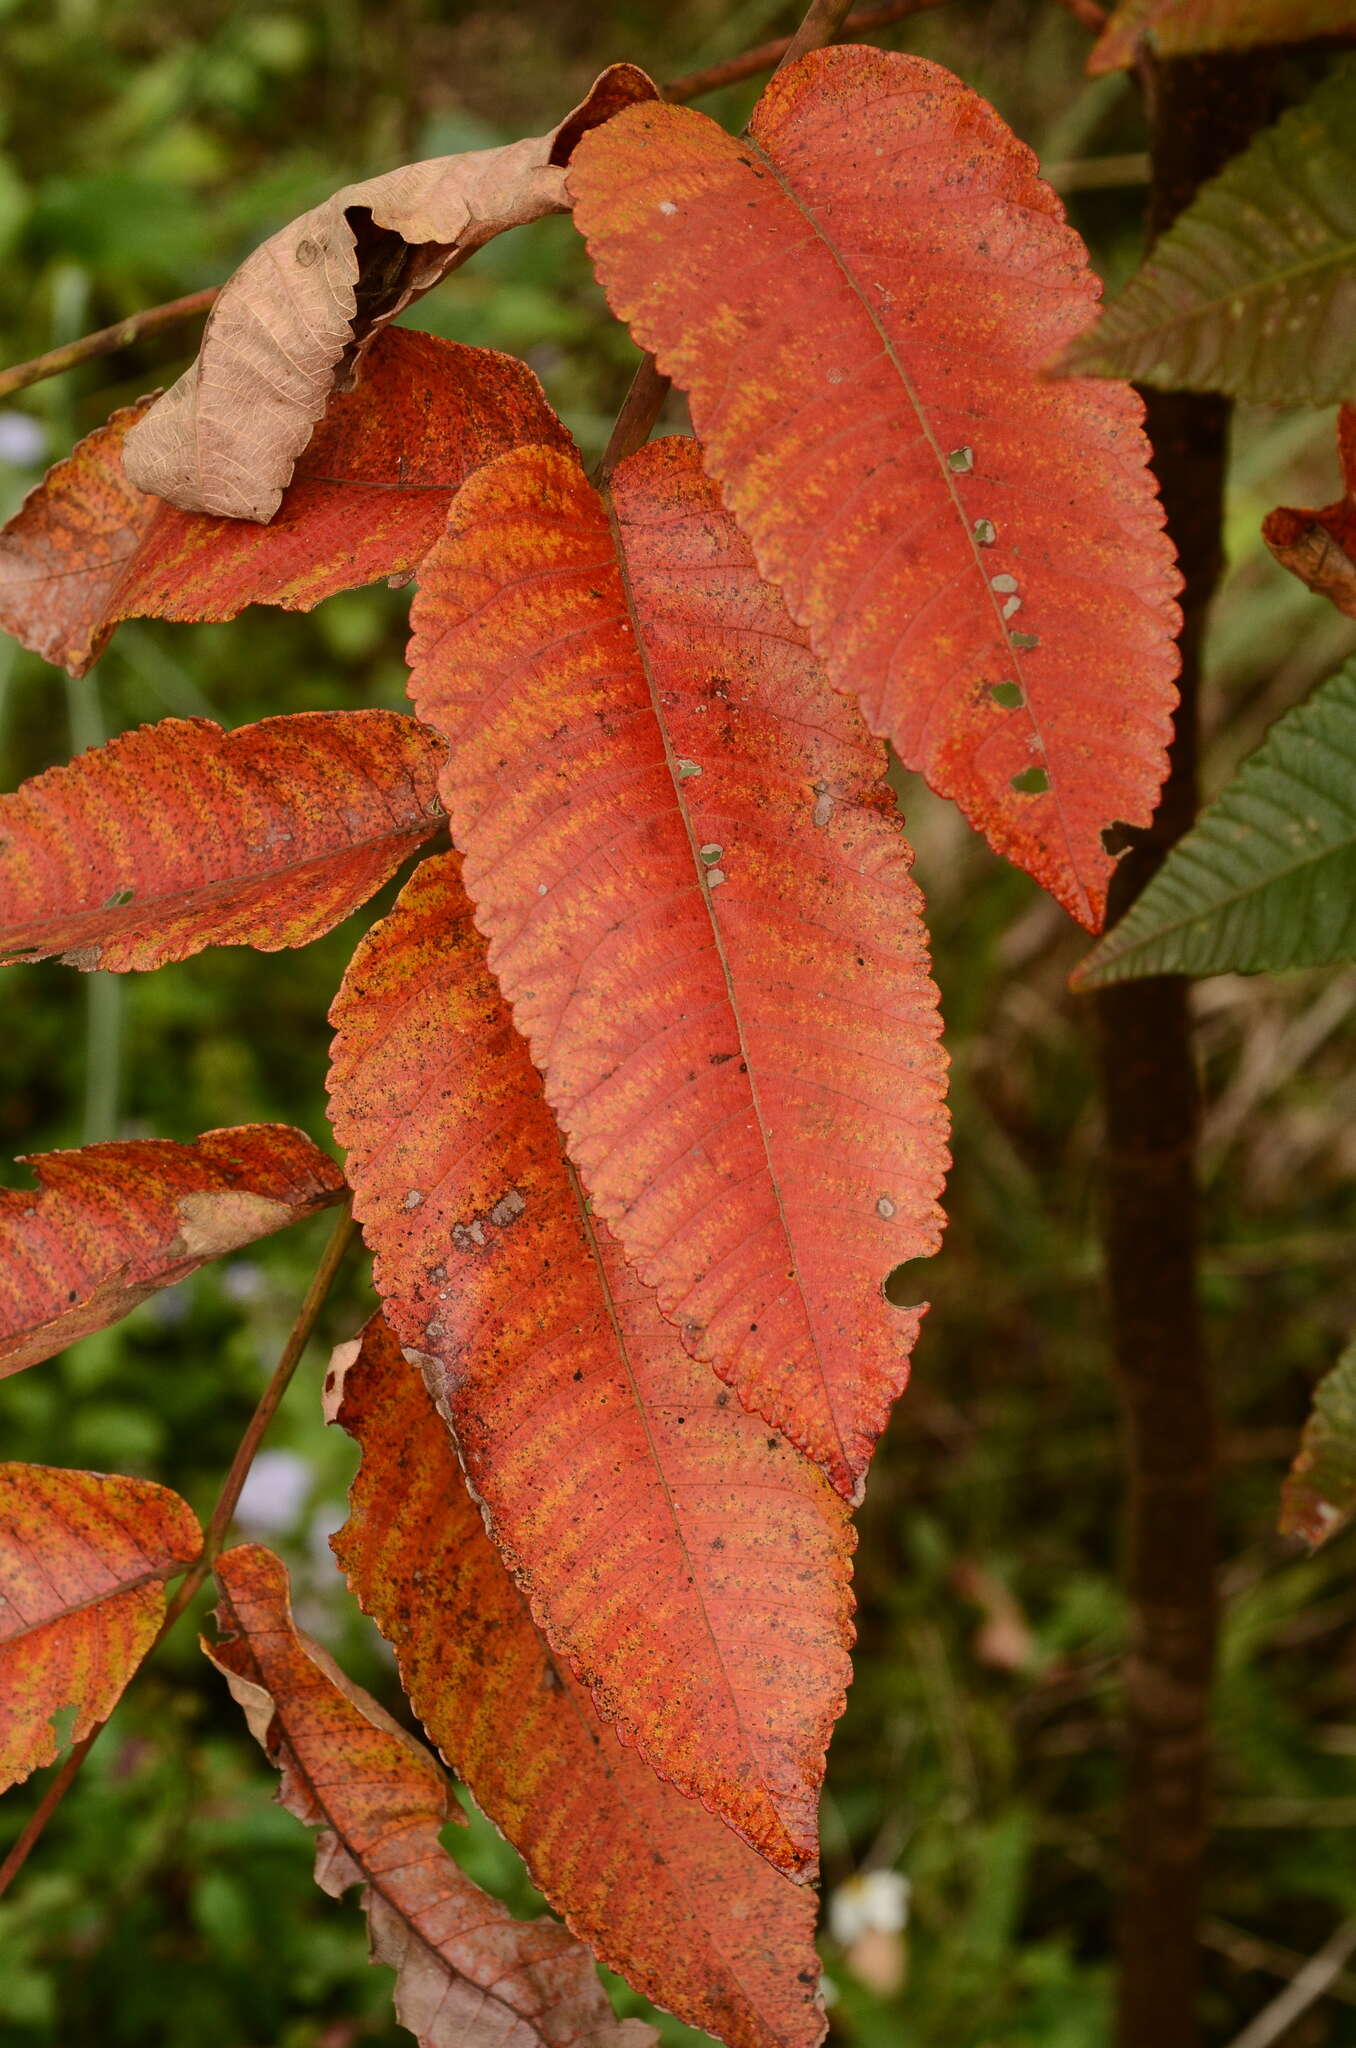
{"points": [[468, 1975], [83, 1561], [662, 1891], [368, 498], [1186, 28], [858, 298], [1319, 546], [111, 1224], [181, 836], [691, 1564], [699, 902]]}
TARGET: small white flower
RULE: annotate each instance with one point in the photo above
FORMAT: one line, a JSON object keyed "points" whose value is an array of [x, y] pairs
{"points": [[875, 1901], [23, 440]]}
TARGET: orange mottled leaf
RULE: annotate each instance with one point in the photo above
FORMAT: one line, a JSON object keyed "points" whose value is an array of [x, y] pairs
{"points": [[691, 1564], [1184, 28], [84, 1557], [1319, 546], [369, 496], [699, 903], [110, 1224], [467, 1974], [180, 836], [296, 319], [662, 1891], [976, 552]]}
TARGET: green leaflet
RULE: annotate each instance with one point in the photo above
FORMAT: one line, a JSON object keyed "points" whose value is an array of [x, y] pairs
{"points": [[1320, 1492], [1267, 878], [1253, 289]]}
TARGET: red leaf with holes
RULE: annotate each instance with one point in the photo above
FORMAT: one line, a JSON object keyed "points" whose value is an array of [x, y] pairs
{"points": [[181, 836], [662, 1891], [976, 552], [468, 1975], [368, 498], [692, 1566], [699, 903], [83, 1562], [111, 1224]]}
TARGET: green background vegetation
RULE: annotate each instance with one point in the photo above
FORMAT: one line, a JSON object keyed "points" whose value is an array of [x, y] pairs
{"points": [[144, 149]]}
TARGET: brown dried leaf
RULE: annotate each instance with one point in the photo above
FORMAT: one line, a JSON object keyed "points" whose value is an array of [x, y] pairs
{"points": [[467, 1974], [293, 322]]}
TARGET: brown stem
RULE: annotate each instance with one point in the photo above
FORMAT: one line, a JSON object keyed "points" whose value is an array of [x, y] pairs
{"points": [[108, 339], [768, 56], [345, 1230], [1202, 111]]}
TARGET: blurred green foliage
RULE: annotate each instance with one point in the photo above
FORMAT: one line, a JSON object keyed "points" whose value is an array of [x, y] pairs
{"points": [[143, 150]]}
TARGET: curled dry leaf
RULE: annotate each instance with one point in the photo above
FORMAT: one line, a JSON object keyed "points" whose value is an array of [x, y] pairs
{"points": [[110, 1224], [369, 497], [293, 322], [468, 1975], [181, 836], [84, 1557], [1320, 546], [699, 900], [659, 1888], [691, 1565], [976, 551]]}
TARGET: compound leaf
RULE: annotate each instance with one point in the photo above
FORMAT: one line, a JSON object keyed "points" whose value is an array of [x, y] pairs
{"points": [[369, 496], [1267, 877], [691, 1565], [660, 1889], [1252, 290], [468, 1975], [180, 836], [84, 1557], [110, 1224], [700, 906], [859, 297]]}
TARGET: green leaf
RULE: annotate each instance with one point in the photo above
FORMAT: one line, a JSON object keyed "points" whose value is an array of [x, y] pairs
{"points": [[1267, 878], [1319, 1496], [1252, 291]]}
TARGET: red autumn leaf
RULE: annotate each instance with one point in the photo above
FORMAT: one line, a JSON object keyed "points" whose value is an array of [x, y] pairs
{"points": [[110, 1224], [83, 1561], [368, 498], [181, 836], [1320, 546], [1181, 28], [858, 298], [699, 903], [692, 1566], [662, 1891], [468, 1975]]}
